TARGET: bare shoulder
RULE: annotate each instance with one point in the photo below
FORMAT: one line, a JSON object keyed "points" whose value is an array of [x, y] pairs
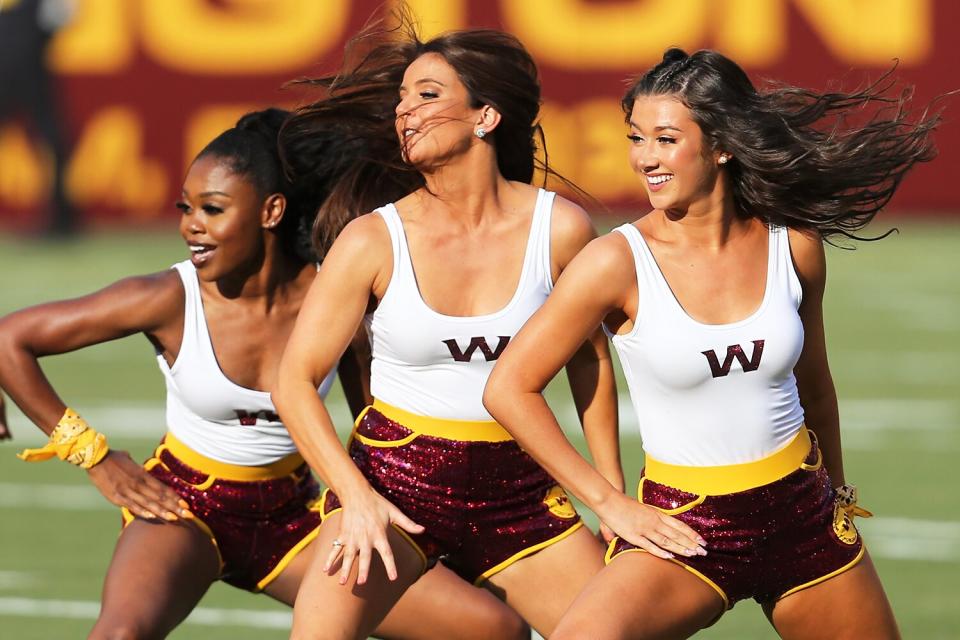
{"points": [[607, 259], [809, 258], [570, 230], [362, 234], [571, 220]]}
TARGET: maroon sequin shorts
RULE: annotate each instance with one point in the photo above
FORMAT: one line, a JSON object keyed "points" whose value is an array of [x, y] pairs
{"points": [[765, 542], [484, 502], [258, 518]]}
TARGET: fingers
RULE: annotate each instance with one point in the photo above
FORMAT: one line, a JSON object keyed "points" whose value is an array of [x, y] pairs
{"points": [[125, 483], [349, 555], [335, 551], [683, 536], [667, 541], [654, 549], [386, 554], [168, 500], [606, 533], [362, 554], [398, 518]]}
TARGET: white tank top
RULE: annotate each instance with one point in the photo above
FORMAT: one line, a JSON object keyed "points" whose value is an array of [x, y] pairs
{"points": [[207, 411], [436, 365], [710, 395]]}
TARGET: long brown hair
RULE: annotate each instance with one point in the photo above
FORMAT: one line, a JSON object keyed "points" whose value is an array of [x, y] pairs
{"points": [[359, 101], [797, 159]]}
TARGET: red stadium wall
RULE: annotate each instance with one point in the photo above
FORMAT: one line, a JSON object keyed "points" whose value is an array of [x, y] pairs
{"points": [[145, 83]]}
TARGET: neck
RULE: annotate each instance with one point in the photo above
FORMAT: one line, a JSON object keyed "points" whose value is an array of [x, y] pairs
{"points": [[468, 187], [709, 222], [264, 280]]}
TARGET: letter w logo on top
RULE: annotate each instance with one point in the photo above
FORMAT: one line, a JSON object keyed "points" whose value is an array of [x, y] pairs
{"points": [[477, 342], [734, 351]]}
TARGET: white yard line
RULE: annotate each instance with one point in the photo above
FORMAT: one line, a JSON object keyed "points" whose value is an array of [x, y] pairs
{"points": [[89, 610]]}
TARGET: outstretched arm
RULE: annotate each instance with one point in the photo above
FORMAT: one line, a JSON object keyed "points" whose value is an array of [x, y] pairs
{"points": [[326, 325], [149, 304], [593, 286]]}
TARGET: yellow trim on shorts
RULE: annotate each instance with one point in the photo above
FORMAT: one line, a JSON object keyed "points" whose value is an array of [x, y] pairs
{"points": [[287, 559], [462, 430], [321, 505], [225, 471], [610, 557], [520, 555], [128, 517], [734, 478], [812, 583]]}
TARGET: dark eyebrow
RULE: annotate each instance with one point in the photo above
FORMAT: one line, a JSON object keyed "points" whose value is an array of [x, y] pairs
{"points": [[661, 127], [213, 193], [423, 81]]}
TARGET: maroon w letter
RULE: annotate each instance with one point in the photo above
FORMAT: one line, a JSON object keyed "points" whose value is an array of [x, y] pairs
{"points": [[734, 351], [476, 343], [248, 419]]}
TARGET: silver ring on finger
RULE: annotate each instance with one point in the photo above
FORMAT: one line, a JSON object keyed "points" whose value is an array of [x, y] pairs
{"points": [[336, 543], [665, 541]]}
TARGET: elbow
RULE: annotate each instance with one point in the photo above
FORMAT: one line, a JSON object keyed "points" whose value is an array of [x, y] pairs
{"points": [[493, 395], [11, 343], [280, 395]]}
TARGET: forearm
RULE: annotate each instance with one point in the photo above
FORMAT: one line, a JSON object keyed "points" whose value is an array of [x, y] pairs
{"points": [[528, 418], [310, 426], [26, 384], [823, 418], [594, 392]]}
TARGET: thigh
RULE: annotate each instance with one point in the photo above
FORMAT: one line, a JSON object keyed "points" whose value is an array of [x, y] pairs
{"points": [[851, 605], [443, 605], [438, 605], [541, 586], [638, 596], [158, 574], [326, 609]]}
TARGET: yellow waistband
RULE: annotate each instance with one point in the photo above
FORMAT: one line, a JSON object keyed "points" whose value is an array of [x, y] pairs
{"points": [[226, 471], [464, 430], [732, 478]]}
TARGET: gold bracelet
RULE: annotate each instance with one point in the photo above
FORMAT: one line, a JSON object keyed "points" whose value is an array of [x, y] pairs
{"points": [[72, 440]]}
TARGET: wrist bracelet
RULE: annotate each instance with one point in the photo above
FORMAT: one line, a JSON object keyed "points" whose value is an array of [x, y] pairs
{"points": [[72, 440]]}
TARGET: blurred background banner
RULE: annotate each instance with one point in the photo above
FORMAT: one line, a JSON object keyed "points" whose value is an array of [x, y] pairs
{"points": [[140, 85]]}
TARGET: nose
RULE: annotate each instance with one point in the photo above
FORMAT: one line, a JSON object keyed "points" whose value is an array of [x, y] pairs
{"points": [[648, 158], [191, 224], [403, 107]]}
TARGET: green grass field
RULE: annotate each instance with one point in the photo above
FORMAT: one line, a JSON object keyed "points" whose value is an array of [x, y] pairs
{"points": [[894, 337]]}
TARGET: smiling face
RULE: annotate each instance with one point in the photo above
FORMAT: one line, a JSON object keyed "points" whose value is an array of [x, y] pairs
{"points": [[434, 118], [669, 152], [223, 217]]}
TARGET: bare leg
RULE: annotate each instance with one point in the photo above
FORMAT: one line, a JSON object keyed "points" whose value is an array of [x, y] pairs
{"points": [[158, 574], [326, 609], [850, 606], [438, 605], [542, 586], [638, 596]]}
